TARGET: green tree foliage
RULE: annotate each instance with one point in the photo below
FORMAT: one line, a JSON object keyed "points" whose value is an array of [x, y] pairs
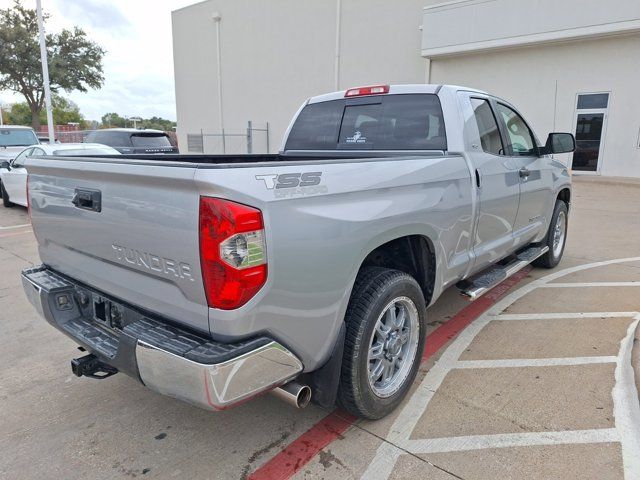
{"points": [[158, 123], [113, 120], [64, 112], [75, 62]]}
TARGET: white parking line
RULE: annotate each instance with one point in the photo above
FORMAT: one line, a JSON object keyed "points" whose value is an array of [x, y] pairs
{"points": [[505, 440], [563, 316], [591, 284], [16, 226], [625, 396], [534, 362]]}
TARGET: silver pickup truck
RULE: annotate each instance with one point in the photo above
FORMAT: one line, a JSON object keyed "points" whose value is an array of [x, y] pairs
{"points": [[215, 278]]}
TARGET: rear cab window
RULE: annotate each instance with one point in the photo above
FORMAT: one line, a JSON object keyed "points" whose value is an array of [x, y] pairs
{"points": [[382, 122]]}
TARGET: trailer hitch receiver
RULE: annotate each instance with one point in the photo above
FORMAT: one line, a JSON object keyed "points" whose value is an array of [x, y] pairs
{"points": [[91, 366]]}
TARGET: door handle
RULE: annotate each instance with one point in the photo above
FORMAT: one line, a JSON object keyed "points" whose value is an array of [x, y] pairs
{"points": [[524, 172], [87, 199]]}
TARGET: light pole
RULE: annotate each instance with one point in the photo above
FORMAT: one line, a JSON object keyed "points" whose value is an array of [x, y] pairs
{"points": [[218, 18], [45, 73]]}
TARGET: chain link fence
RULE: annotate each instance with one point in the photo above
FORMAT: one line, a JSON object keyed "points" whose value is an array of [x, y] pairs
{"points": [[253, 139]]}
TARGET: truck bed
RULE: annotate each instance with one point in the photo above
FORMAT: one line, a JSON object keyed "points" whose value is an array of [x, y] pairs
{"points": [[251, 159]]}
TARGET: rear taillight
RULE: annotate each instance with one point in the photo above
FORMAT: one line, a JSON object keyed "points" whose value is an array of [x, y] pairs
{"points": [[373, 90], [233, 254]]}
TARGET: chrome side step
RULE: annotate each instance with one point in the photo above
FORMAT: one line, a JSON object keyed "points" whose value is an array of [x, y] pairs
{"points": [[477, 286]]}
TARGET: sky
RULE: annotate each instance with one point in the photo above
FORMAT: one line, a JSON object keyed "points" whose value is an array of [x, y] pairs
{"points": [[138, 65]]}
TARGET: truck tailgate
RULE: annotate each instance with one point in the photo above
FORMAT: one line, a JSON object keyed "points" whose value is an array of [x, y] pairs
{"points": [[129, 229]]}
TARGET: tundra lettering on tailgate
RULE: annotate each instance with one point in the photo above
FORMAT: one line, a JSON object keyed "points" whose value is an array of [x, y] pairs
{"points": [[156, 263]]}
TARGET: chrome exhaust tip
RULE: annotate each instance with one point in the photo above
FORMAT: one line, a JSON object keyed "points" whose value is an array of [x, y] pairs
{"points": [[294, 394]]}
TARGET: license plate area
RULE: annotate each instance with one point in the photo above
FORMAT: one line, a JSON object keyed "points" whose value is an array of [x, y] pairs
{"points": [[107, 313]]}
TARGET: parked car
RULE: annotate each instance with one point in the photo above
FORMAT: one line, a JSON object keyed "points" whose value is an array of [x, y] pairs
{"points": [[132, 140], [13, 139], [13, 175], [44, 138], [216, 278]]}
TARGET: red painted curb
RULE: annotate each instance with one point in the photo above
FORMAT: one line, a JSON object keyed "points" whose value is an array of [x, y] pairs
{"points": [[447, 331], [297, 454]]}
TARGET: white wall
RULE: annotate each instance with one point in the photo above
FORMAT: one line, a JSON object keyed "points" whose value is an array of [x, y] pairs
{"points": [[276, 54], [472, 25], [528, 77]]}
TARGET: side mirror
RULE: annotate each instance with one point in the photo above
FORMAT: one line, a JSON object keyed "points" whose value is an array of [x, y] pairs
{"points": [[5, 164], [559, 143]]}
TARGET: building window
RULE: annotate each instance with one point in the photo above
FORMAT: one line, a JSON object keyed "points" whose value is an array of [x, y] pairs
{"points": [[593, 100], [591, 123]]}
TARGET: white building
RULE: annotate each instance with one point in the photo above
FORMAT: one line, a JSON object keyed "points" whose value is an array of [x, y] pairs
{"points": [[570, 65]]}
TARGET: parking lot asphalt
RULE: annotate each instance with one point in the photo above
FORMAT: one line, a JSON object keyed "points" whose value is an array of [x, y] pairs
{"points": [[540, 384]]}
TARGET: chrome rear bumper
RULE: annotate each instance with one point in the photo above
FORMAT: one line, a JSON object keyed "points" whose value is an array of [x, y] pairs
{"points": [[216, 386], [168, 359]]}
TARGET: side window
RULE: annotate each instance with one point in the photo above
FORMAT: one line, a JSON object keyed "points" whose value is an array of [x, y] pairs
{"points": [[18, 162], [487, 126], [520, 137], [37, 151]]}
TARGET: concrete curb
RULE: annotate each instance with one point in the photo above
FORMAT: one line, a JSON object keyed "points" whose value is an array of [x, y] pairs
{"points": [[635, 357], [625, 181]]}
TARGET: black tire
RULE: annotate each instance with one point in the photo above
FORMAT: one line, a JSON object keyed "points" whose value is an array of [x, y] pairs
{"points": [[5, 197], [374, 289], [553, 256]]}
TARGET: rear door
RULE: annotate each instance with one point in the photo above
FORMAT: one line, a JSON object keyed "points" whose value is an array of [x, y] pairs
{"points": [[496, 179], [534, 174], [135, 237]]}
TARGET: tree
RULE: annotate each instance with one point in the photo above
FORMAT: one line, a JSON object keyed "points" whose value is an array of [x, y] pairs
{"points": [[64, 111], [75, 62], [112, 120]]}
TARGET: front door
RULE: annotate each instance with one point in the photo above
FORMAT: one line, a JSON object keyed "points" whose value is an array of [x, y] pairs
{"points": [[534, 172], [498, 185], [591, 120]]}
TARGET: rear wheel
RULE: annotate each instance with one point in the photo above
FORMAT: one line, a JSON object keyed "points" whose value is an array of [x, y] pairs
{"points": [[384, 342], [556, 237], [5, 197]]}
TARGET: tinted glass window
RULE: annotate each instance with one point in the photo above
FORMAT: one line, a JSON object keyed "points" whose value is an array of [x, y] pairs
{"points": [[316, 128], [10, 137], [110, 138], [520, 137], [593, 100], [394, 122], [146, 140], [487, 127], [19, 160]]}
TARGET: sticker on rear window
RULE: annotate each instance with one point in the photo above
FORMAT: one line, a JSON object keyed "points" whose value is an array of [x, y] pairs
{"points": [[356, 138]]}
